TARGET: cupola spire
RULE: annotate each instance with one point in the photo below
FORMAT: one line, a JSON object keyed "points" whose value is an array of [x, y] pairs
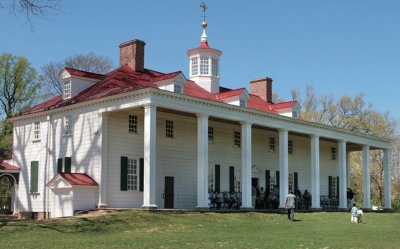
{"points": [[204, 41]]}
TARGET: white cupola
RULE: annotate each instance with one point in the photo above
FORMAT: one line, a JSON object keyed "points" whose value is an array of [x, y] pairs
{"points": [[204, 64]]}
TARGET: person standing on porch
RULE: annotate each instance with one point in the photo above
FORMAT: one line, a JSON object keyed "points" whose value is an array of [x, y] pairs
{"points": [[290, 204], [350, 197]]}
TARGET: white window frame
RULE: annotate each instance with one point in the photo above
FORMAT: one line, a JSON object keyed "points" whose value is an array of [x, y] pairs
{"points": [[290, 147], [272, 144], [210, 135], [195, 65], [237, 139], [169, 128], [272, 181], [210, 181], [36, 131], [68, 124], [67, 89], [132, 123], [214, 67], [242, 103], [177, 88], [333, 184], [132, 175], [291, 181], [333, 153], [204, 66]]}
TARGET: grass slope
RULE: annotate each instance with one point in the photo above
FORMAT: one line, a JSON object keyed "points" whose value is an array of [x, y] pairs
{"points": [[141, 229]]}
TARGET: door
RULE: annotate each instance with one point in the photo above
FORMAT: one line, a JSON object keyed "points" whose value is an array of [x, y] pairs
{"points": [[169, 192]]}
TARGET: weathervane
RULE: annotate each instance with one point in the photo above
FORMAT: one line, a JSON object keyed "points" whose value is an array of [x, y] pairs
{"points": [[204, 9]]}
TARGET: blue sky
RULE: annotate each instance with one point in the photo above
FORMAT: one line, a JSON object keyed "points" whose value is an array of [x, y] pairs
{"points": [[341, 47]]}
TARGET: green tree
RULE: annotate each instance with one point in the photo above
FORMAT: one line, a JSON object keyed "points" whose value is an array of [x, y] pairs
{"points": [[19, 89]]}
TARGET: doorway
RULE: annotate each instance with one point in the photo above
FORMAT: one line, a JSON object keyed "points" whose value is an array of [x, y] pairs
{"points": [[5, 195], [169, 192]]}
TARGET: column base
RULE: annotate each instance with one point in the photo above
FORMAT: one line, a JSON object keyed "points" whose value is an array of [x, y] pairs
{"points": [[150, 207], [101, 206]]}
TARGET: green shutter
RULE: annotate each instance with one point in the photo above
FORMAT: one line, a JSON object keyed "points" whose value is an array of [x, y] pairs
{"points": [[277, 180], [34, 176], [141, 174], [217, 178], [295, 181], [124, 173], [231, 179], [330, 186], [267, 182], [337, 187], [67, 166], [59, 165]]}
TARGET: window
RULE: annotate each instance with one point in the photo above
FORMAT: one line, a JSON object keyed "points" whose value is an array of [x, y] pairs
{"points": [[177, 88], [64, 165], [211, 135], [169, 128], [132, 124], [132, 175], [333, 153], [204, 65], [272, 181], [68, 125], [237, 138], [291, 181], [332, 186], [290, 147], [34, 183], [36, 131], [242, 103], [237, 185], [214, 67], [271, 144], [295, 114], [211, 181], [67, 89], [195, 65]]}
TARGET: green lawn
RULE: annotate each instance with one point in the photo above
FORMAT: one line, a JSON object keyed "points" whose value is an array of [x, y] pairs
{"points": [[141, 229]]}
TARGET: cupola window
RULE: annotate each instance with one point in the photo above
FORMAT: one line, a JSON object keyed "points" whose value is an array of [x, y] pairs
{"points": [[204, 65], [214, 67], [195, 65]]}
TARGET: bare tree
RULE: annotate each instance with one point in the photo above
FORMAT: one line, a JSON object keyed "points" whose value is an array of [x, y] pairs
{"points": [[30, 8], [85, 62]]}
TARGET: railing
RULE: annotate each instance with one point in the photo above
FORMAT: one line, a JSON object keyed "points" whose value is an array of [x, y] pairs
{"points": [[329, 203]]}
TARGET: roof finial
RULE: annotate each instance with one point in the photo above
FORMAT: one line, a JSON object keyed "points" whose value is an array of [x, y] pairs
{"points": [[204, 9]]}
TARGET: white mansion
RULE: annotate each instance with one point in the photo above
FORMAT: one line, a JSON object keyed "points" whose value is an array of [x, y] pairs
{"points": [[135, 137]]}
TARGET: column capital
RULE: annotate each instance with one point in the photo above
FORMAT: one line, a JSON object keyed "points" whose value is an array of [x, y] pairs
{"points": [[202, 115], [245, 123], [149, 105], [314, 136], [103, 114], [283, 130]]}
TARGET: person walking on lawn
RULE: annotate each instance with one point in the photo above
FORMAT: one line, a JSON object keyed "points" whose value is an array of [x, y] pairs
{"points": [[290, 204]]}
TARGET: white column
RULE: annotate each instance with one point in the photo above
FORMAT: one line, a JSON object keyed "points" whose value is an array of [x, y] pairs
{"points": [[103, 160], [149, 186], [246, 165], [388, 176], [348, 171], [315, 184], [283, 165], [342, 174], [366, 173], [202, 161]]}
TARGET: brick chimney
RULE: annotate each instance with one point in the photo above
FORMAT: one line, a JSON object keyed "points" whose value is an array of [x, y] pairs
{"points": [[262, 88], [132, 53]]}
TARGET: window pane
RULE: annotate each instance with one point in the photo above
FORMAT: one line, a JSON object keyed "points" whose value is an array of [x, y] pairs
{"points": [[132, 124], [204, 65]]}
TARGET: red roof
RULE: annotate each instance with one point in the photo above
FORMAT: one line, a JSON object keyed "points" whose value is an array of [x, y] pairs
{"points": [[6, 166], [230, 93], [204, 44], [125, 79], [282, 105], [80, 73], [79, 179]]}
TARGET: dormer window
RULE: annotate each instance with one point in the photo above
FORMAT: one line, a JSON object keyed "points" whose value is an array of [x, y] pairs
{"points": [[295, 114], [242, 103], [204, 66], [214, 67], [177, 88], [67, 89], [195, 65]]}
